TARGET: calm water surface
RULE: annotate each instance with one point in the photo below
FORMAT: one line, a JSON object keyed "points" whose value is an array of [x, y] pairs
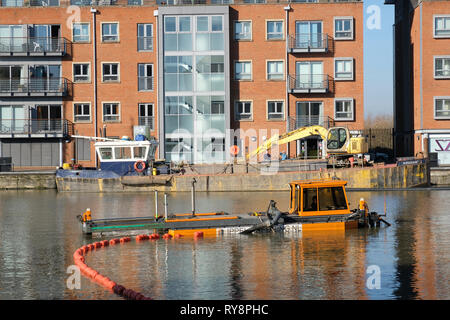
{"points": [[39, 233]]}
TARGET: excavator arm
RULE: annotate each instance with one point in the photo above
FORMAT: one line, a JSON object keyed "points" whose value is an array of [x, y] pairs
{"points": [[289, 137]]}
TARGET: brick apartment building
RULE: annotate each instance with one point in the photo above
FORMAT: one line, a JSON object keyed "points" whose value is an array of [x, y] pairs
{"points": [[422, 78], [186, 71]]}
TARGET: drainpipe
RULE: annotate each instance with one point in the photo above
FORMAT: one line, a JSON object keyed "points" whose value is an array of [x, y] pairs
{"points": [[94, 69], [287, 9]]}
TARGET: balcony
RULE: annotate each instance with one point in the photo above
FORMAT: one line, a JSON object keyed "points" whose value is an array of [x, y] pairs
{"points": [[34, 46], [300, 121], [35, 87], [35, 128], [306, 43], [310, 83]]}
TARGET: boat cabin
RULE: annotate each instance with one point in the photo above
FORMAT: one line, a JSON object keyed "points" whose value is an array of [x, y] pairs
{"points": [[323, 197], [120, 156]]}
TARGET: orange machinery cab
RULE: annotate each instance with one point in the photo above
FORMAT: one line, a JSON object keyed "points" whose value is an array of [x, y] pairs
{"points": [[320, 198]]}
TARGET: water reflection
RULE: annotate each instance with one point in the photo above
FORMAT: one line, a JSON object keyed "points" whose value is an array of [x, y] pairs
{"points": [[39, 233]]}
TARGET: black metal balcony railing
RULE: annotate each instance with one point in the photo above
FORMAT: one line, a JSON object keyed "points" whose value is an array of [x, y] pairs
{"points": [[309, 83], [308, 42], [300, 121], [36, 126], [44, 86], [34, 45], [145, 43], [145, 83], [146, 121]]}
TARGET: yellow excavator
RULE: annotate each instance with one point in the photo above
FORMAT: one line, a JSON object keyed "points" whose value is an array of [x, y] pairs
{"points": [[338, 141]]}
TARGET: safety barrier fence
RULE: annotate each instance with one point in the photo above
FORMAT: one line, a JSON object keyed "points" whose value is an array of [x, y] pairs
{"points": [[105, 282]]}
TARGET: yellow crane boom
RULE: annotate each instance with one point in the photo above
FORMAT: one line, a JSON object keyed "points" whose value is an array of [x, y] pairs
{"points": [[288, 137]]}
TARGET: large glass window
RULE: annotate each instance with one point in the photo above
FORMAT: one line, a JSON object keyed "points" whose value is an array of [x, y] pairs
{"points": [[210, 73], [178, 73], [332, 198]]}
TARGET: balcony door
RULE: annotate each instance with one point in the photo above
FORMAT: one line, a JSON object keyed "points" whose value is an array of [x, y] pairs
{"points": [[309, 75], [44, 38], [47, 118], [45, 78], [309, 113], [308, 34], [12, 119], [12, 38], [13, 78]]}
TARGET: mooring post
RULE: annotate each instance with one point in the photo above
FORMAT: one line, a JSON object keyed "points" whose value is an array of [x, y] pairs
{"points": [[193, 196], [156, 203], [165, 205]]}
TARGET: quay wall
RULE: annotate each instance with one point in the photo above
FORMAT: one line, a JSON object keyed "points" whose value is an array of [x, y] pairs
{"points": [[386, 177], [27, 180]]}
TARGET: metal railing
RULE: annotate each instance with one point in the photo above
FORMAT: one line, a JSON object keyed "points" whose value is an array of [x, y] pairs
{"points": [[34, 45], [59, 86], [145, 83], [145, 43], [306, 42], [309, 82], [146, 121], [36, 126], [300, 121]]}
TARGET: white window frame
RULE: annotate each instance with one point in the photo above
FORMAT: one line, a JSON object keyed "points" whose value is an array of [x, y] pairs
{"points": [[144, 36], [434, 108], [351, 100], [118, 112], [110, 35], [75, 114], [251, 70], [336, 60], [267, 71], [352, 26], [146, 76], [434, 67], [251, 30], [89, 32], [237, 114], [282, 113], [267, 30], [74, 80], [118, 73], [436, 16], [152, 128]]}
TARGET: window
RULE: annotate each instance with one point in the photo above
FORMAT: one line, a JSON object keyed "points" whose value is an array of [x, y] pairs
{"points": [[80, 32], [343, 28], [145, 37], [111, 112], [81, 112], [343, 109], [442, 67], [243, 70], [243, 30], [145, 77], [275, 110], [442, 107], [146, 115], [442, 26], [343, 69], [243, 110], [275, 70], [110, 32], [274, 30], [110, 72], [81, 72]]}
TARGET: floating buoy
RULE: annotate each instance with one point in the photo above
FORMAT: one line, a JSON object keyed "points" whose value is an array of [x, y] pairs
{"points": [[178, 236], [154, 236], [198, 234], [166, 236]]}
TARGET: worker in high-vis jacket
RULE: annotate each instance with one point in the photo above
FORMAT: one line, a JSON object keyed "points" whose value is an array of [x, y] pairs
{"points": [[87, 215]]}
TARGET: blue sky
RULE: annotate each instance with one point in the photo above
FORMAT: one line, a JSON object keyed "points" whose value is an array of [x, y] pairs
{"points": [[378, 60]]}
